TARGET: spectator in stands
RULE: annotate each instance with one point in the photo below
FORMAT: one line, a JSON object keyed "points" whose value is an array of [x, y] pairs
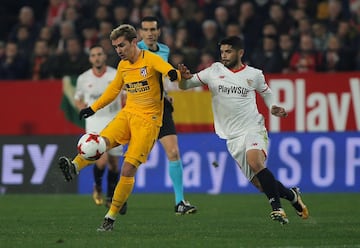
{"points": [[296, 15], [24, 41], [175, 19], [278, 17], [182, 39], [102, 13], [206, 60], [303, 28], [112, 58], [71, 14], [67, 30], [355, 15], [13, 65], [167, 38], [194, 26], [209, 7], [26, 18], [89, 35], [149, 10], [335, 58], [121, 15], [105, 28], [251, 25], [242, 18], [305, 59], [269, 29], [307, 6], [46, 34], [267, 58], [187, 8], [348, 35], [286, 47], [233, 29], [73, 61], [183, 43], [55, 12], [320, 35], [222, 18], [135, 11], [176, 57], [335, 10], [210, 37], [41, 61]]}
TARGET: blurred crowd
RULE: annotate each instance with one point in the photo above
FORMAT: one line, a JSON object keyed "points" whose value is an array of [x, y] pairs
{"points": [[50, 38]]}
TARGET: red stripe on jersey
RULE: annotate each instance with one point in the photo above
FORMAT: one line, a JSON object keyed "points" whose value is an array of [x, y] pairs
{"points": [[200, 79], [240, 69], [267, 87], [98, 74]]}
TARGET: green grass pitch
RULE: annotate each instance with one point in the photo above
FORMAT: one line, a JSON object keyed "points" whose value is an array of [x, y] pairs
{"points": [[227, 220]]}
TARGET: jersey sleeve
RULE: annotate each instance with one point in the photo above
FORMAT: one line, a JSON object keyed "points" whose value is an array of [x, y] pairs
{"points": [[263, 89], [79, 92], [162, 66], [198, 79], [203, 76], [110, 93]]}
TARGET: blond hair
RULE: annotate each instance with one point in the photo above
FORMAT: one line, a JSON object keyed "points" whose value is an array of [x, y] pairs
{"points": [[126, 30]]}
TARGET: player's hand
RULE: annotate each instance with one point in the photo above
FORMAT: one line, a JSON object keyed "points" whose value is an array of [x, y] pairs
{"points": [[86, 112], [184, 71], [278, 111]]}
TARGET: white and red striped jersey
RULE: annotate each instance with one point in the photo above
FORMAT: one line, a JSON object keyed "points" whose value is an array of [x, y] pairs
{"points": [[90, 87], [234, 98]]}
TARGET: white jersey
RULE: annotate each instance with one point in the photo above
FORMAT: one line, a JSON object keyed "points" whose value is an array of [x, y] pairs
{"points": [[234, 98], [90, 87]]}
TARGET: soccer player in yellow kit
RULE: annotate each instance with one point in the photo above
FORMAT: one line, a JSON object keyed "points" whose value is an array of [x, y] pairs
{"points": [[138, 123]]}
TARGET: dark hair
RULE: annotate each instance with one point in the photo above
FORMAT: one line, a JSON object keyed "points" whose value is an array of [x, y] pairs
{"points": [[234, 41], [95, 46], [151, 19]]}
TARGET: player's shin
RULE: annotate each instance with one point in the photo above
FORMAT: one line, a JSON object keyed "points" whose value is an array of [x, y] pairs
{"points": [[269, 185], [122, 192], [176, 175]]}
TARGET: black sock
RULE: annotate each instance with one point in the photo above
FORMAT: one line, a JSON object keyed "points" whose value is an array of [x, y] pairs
{"points": [[98, 174], [269, 186], [289, 195], [112, 179], [285, 192]]}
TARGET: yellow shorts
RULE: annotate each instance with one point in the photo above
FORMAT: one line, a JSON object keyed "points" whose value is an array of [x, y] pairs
{"points": [[139, 133]]}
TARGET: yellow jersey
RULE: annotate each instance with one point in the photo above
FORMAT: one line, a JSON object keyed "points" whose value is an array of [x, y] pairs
{"points": [[143, 84]]}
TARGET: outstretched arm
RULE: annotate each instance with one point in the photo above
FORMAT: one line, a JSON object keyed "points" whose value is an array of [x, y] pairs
{"points": [[187, 79]]}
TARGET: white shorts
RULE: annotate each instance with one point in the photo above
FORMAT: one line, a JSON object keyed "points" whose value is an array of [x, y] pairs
{"points": [[256, 139], [97, 124], [116, 151]]}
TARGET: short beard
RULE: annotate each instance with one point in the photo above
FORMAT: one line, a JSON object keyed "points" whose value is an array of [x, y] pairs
{"points": [[232, 64]]}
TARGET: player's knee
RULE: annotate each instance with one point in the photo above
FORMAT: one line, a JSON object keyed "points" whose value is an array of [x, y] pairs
{"points": [[113, 167], [173, 154]]}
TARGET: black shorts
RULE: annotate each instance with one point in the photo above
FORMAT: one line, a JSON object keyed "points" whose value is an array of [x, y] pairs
{"points": [[168, 125]]}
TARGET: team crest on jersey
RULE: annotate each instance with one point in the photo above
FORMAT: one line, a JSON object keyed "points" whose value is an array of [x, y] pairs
{"points": [[249, 82], [143, 72]]}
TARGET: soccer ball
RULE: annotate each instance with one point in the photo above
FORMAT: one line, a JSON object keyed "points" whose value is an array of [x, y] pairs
{"points": [[91, 146]]}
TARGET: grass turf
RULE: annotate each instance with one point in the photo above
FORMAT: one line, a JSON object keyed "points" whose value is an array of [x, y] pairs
{"points": [[226, 220]]}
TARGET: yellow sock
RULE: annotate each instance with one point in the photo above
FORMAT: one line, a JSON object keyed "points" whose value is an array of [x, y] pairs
{"points": [[122, 192], [81, 163]]}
